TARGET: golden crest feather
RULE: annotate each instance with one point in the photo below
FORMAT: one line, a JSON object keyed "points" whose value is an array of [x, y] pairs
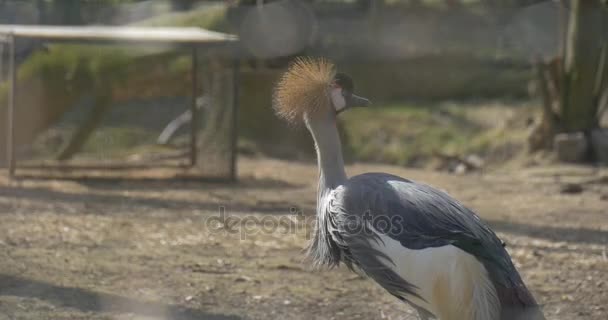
{"points": [[304, 88]]}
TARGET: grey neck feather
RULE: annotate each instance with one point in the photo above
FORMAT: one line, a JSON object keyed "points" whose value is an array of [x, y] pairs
{"points": [[322, 250], [329, 153]]}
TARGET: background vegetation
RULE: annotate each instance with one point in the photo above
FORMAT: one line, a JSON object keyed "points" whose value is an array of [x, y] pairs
{"points": [[427, 102]]}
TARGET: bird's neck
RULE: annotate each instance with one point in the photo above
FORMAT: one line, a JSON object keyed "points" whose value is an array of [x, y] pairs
{"points": [[329, 153]]}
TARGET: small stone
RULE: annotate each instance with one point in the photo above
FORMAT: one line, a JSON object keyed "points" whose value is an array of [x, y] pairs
{"points": [[571, 147], [189, 298], [475, 160], [571, 188], [461, 168], [242, 279]]}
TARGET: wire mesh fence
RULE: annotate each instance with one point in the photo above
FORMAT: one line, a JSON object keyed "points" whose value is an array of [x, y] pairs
{"points": [[123, 111]]}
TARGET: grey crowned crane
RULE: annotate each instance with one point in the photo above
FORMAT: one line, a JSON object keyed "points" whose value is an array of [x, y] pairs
{"points": [[418, 243]]}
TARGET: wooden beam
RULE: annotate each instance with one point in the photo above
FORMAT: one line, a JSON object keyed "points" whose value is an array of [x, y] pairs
{"points": [[10, 116], [194, 123]]}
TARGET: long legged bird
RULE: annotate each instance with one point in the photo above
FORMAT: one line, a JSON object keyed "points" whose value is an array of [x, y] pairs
{"points": [[418, 243]]}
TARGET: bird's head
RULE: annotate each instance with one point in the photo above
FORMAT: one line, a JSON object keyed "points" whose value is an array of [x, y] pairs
{"points": [[312, 88]]}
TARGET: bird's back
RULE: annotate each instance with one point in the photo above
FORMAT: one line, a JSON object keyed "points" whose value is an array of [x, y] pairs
{"points": [[418, 218]]}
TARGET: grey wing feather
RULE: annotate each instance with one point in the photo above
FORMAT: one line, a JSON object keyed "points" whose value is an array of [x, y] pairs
{"points": [[418, 216]]}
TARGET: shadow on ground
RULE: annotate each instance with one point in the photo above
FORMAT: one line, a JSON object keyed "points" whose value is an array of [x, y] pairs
{"points": [[90, 301], [109, 200], [184, 182], [552, 233]]}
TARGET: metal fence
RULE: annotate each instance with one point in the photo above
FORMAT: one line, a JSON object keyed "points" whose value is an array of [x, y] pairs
{"points": [[189, 132]]}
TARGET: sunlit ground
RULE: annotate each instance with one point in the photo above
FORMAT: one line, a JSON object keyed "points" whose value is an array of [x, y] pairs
{"points": [[143, 250]]}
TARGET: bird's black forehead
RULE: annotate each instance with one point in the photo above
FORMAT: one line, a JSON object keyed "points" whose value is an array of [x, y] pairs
{"points": [[344, 81]]}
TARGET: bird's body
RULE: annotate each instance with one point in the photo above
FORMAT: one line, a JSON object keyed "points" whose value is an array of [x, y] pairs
{"points": [[415, 241], [422, 246]]}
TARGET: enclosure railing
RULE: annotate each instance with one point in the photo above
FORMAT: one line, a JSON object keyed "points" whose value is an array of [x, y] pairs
{"points": [[191, 38]]}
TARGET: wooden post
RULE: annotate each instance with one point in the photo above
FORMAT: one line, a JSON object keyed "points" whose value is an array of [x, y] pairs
{"points": [[10, 115], [234, 129], [194, 122], [3, 42]]}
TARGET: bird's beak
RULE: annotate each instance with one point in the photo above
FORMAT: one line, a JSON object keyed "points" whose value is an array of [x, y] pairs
{"points": [[353, 101], [357, 101]]}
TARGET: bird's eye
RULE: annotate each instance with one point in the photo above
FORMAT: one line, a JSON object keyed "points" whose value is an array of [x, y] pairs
{"points": [[344, 81]]}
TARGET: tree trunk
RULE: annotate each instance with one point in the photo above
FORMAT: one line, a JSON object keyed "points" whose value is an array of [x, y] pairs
{"points": [[574, 86], [581, 66], [547, 75]]}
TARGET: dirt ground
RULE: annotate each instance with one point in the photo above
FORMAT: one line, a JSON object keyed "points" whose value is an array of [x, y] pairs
{"points": [[158, 249]]}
